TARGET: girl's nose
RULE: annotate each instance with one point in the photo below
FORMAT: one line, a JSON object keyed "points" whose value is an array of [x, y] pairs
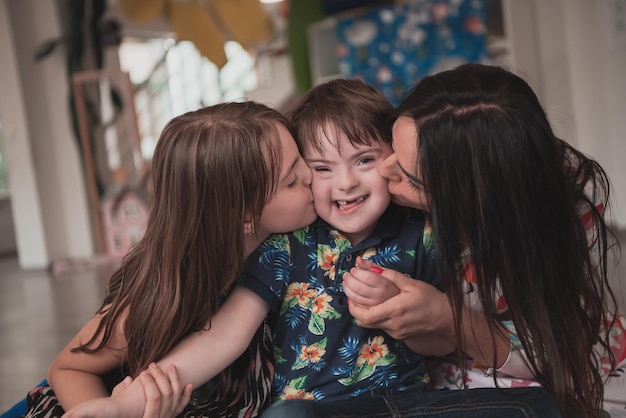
{"points": [[307, 175]]}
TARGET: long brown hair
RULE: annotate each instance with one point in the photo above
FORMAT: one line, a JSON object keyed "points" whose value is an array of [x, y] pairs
{"points": [[501, 183], [212, 169]]}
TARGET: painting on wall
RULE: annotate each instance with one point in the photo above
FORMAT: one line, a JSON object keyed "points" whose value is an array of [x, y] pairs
{"points": [[393, 47]]}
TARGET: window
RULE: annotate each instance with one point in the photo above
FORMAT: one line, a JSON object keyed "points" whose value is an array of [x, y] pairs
{"points": [[171, 78]]}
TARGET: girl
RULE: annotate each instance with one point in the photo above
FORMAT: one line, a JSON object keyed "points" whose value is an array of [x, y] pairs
{"points": [[224, 178]]}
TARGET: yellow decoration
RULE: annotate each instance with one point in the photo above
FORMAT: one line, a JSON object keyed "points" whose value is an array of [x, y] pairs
{"points": [[142, 11], [206, 23], [190, 22]]}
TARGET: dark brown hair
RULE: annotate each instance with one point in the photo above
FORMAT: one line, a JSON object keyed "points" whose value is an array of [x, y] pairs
{"points": [[501, 183], [351, 107], [212, 169]]}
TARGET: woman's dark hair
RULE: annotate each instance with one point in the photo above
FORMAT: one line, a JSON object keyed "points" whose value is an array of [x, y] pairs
{"points": [[530, 208]]}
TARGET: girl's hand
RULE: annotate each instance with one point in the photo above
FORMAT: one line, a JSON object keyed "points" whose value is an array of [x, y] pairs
{"points": [[98, 408], [366, 286], [163, 397]]}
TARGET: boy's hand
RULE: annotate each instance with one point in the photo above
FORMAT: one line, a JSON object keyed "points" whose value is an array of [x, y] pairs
{"points": [[164, 396], [365, 285]]}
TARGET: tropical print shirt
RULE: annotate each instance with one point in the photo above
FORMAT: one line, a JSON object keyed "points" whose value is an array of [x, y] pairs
{"points": [[320, 352]]}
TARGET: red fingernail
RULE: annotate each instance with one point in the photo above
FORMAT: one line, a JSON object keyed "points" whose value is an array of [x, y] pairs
{"points": [[376, 269]]}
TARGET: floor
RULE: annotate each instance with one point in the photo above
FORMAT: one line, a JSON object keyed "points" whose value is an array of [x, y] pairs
{"points": [[41, 311], [39, 314]]}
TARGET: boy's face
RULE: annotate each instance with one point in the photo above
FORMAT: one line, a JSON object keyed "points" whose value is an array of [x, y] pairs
{"points": [[348, 191]]}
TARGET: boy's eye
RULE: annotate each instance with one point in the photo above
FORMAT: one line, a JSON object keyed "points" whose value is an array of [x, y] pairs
{"points": [[365, 160]]}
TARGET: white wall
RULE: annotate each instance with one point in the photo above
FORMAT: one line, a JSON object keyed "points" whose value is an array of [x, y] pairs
{"points": [[26, 209], [55, 216], [598, 72], [581, 80]]}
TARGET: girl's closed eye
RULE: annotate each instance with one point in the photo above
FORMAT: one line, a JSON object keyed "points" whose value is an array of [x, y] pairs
{"points": [[293, 184]]}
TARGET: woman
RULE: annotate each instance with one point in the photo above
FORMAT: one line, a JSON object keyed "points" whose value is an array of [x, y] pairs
{"points": [[518, 223]]}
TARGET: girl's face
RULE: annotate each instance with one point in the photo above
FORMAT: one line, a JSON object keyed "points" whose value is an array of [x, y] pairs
{"points": [[406, 188], [291, 207]]}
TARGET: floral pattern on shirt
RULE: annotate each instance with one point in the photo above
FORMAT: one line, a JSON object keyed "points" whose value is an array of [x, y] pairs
{"points": [[320, 352]]}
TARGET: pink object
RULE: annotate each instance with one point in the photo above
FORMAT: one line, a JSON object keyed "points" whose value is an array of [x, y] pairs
{"points": [[124, 220]]}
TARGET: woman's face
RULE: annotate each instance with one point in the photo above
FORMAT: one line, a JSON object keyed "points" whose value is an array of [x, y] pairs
{"points": [[291, 207], [405, 186]]}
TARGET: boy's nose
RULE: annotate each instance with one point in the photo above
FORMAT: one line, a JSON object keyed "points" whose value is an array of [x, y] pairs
{"points": [[347, 180]]}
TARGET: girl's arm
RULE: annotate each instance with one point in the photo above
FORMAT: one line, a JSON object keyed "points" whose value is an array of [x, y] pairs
{"points": [[198, 358], [204, 354], [75, 377]]}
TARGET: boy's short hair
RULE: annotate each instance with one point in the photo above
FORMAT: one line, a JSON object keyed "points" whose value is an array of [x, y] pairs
{"points": [[349, 107]]}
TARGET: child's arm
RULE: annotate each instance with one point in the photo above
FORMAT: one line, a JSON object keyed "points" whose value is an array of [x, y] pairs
{"points": [[75, 377], [421, 316], [204, 354], [366, 287], [198, 358]]}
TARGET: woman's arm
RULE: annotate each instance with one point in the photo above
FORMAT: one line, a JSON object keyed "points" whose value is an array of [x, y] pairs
{"points": [[75, 377], [421, 316], [198, 358]]}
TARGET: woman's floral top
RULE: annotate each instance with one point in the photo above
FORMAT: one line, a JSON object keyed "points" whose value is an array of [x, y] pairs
{"points": [[320, 352]]}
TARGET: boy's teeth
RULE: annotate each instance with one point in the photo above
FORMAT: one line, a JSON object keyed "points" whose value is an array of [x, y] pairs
{"points": [[342, 203]]}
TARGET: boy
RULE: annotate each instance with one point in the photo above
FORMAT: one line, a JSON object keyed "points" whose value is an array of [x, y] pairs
{"points": [[343, 132]]}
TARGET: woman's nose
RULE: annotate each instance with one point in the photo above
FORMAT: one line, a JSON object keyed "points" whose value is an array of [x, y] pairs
{"points": [[386, 167]]}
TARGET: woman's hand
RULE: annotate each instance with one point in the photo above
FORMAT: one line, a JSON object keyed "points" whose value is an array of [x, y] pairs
{"points": [[164, 397], [421, 316], [418, 314]]}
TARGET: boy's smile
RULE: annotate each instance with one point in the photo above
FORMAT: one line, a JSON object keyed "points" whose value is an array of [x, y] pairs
{"points": [[348, 191], [344, 205]]}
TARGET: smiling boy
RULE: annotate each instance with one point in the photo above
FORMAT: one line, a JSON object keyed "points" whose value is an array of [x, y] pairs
{"points": [[343, 132]]}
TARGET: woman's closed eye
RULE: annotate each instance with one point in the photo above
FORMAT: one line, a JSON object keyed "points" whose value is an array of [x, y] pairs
{"points": [[414, 185]]}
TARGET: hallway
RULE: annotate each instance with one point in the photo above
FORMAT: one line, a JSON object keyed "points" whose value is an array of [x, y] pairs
{"points": [[39, 314]]}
